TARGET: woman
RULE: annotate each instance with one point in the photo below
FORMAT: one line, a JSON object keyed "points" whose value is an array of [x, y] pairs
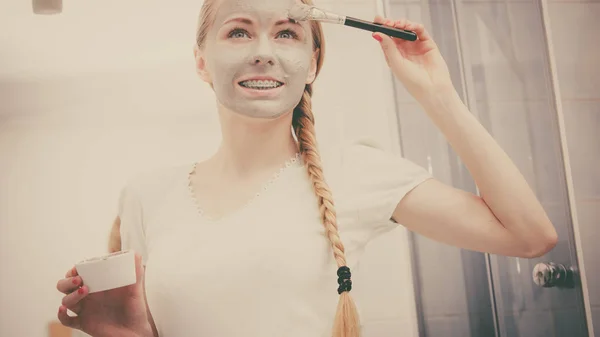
{"points": [[261, 264]]}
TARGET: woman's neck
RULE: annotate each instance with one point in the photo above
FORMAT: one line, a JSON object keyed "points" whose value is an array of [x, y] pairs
{"points": [[250, 145]]}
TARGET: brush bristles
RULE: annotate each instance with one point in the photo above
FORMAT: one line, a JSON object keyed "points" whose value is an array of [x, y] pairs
{"points": [[300, 12]]}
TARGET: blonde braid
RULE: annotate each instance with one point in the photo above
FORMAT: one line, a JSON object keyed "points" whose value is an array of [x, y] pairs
{"points": [[346, 322]]}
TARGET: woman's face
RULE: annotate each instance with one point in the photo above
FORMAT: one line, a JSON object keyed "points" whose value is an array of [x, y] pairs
{"points": [[256, 58]]}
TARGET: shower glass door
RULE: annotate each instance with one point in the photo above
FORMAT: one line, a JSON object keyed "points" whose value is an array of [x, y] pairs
{"points": [[498, 57]]}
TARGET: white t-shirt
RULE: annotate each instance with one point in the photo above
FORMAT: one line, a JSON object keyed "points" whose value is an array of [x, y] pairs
{"points": [[266, 269]]}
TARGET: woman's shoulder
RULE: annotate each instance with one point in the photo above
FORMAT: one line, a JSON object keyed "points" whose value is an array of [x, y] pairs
{"points": [[368, 158], [372, 159], [372, 178]]}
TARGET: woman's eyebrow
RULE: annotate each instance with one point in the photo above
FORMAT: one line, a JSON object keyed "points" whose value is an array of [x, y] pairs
{"points": [[239, 19], [288, 21]]}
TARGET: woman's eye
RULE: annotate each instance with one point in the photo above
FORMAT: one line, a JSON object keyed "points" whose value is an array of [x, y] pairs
{"points": [[238, 34], [287, 34]]}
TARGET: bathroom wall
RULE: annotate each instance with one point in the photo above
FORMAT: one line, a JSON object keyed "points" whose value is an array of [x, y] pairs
{"points": [[107, 89], [574, 30]]}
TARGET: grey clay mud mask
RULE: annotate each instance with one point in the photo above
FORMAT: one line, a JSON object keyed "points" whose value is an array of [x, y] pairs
{"points": [[258, 60]]}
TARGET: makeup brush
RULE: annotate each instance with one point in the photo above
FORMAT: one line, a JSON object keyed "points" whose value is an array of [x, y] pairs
{"points": [[302, 12]]}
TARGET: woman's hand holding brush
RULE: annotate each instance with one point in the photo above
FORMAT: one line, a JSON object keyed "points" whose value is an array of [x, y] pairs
{"points": [[417, 64]]}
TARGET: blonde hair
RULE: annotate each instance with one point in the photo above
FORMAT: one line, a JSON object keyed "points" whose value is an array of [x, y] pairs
{"points": [[346, 323]]}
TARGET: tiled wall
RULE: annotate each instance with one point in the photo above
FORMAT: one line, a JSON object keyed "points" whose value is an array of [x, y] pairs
{"points": [[575, 30]]}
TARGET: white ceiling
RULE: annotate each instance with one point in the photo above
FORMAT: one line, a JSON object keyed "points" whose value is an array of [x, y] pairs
{"points": [[94, 36]]}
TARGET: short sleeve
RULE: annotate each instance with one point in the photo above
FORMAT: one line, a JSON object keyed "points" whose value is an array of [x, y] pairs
{"points": [[132, 227], [376, 181]]}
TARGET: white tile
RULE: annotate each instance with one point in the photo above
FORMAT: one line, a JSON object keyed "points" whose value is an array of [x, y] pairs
{"points": [[582, 122], [575, 30]]}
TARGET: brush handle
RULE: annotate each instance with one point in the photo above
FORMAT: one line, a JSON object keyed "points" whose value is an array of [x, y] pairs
{"points": [[376, 27]]}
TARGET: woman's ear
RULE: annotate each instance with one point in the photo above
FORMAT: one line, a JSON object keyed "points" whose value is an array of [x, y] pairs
{"points": [[201, 65], [312, 72]]}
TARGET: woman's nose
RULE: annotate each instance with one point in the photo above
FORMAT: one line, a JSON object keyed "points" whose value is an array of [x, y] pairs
{"points": [[264, 54], [264, 59]]}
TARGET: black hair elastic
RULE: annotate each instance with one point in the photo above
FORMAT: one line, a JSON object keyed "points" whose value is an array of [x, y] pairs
{"points": [[344, 279]]}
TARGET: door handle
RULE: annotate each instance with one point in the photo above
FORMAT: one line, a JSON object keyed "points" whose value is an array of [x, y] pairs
{"points": [[549, 275]]}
